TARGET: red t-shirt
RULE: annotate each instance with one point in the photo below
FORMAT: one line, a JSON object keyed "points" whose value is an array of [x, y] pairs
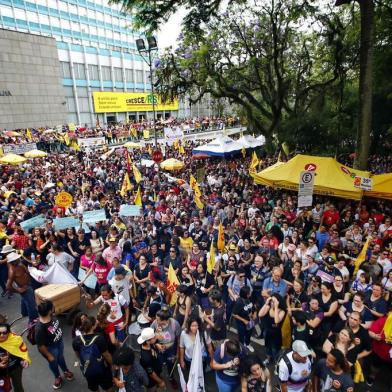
{"points": [[330, 217], [381, 348], [101, 272]]}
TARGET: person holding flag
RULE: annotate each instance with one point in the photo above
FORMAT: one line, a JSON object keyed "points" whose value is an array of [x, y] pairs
{"points": [[126, 185], [167, 331]]}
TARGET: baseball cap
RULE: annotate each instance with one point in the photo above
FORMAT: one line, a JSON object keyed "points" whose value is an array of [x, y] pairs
{"points": [[147, 334], [112, 239], [300, 347], [232, 247]]}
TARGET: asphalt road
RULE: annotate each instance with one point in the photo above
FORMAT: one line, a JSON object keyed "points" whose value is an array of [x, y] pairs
{"points": [[38, 378]]}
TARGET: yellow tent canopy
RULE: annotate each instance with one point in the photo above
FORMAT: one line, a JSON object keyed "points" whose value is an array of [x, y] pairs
{"points": [[35, 154], [332, 178], [12, 159], [382, 186], [172, 164]]}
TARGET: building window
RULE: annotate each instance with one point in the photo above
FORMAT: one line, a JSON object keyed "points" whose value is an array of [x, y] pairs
{"points": [[93, 72], [148, 80], [65, 70], [106, 74], [79, 71], [118, 75], [139, 76], [129, 75]]}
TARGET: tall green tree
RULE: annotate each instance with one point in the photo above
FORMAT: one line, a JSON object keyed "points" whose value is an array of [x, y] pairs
{"points": [[274, 61]]}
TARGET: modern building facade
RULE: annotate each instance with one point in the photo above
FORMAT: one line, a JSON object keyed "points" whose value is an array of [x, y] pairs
{"points": [[31, 91], [96, 50]]}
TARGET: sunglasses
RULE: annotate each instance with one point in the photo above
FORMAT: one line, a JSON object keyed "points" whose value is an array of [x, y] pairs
{"points": [[3, 333]]}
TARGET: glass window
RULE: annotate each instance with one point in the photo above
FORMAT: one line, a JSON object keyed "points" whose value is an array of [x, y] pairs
{"points": [[93, 72], [118, 75], [106, 74], [139, 76], [68, 91], [83, 105], [79, 71], [65, 70], [129, 75], [82, 92]]}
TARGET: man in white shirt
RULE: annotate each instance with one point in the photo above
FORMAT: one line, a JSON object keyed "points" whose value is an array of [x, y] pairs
{"points": [[295, 367]]}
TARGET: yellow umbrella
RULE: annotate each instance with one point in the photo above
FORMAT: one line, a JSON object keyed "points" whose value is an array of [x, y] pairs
{"points": [[12, 159], [172, 164], [132, 145], [35, 154]]}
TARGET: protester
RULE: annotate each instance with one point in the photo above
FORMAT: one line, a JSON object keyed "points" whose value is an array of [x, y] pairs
{"points": [[274, 259], [50, 343], [14, 357]]}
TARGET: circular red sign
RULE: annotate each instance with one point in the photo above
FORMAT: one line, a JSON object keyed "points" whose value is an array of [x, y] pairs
{"points": [[345, 170], [157, 156], [310, 167]]}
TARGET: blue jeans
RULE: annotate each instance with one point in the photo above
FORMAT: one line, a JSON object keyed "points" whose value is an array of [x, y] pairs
{"points": [[57, 350], [28, 306], [120, 333], [224, 386]]}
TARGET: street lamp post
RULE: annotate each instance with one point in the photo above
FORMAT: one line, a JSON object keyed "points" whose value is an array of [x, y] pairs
{"points": [[152, 46]]}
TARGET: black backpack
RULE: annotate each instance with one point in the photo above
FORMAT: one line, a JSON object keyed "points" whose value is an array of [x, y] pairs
{"points": [[283, 355], [92, 364]]}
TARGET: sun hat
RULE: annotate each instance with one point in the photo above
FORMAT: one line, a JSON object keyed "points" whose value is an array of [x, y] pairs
{"points": [[112, 239], [13, 256], [147, 334], [7, 249], [300, 347]]}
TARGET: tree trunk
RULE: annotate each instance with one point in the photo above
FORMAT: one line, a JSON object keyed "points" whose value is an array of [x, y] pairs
{"points": [[365, 84]]}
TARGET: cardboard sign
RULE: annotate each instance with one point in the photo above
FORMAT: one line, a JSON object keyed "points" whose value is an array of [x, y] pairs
{"points": [[94, 216], [129, 210], [64, 199], [36, 221], [65, 223]]}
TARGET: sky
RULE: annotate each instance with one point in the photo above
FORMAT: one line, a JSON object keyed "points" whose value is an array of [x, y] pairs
{"points": [[167, 35]]}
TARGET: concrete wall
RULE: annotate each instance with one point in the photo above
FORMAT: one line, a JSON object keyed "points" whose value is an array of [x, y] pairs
{"points": [[30, 72]]}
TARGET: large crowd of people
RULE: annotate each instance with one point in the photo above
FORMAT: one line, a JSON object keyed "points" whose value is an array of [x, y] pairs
{"points": [[285, 303]]}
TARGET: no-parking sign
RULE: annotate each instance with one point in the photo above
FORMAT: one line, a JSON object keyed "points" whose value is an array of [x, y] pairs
{"points": [[305, 189]]}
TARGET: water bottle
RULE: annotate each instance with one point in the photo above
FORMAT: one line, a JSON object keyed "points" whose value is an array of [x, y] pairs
{"points": [[33, 258]]}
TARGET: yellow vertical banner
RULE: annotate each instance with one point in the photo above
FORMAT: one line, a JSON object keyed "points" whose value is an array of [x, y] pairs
{"points": [[146, 133]]}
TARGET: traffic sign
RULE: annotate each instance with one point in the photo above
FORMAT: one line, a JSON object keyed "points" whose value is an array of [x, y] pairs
{"points": [[305, 189], [310, 167], [157, 156]]}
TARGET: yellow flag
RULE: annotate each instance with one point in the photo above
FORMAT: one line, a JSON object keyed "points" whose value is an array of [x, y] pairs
{"points": [[74, 145], [28, 134], [146, 133], [149, 149], [254, 163], [175, 144], [172, 284], [126, 185], [182, 150], [194, 186], [198, 202], [66, 139], [134, 132], [243, 151], [138, 198], [285, 148], [286, 332], [280, 156], [155, 197], [362, 256], [136, 174], [221, 238], [211, 259]]}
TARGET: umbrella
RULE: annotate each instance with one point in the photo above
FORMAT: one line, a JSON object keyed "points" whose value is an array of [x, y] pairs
{"points": [[12, 133], [132, 145], [172, 164], [220, 147], [200, 156], [35, 154], [248, 141], [12, 159]]}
